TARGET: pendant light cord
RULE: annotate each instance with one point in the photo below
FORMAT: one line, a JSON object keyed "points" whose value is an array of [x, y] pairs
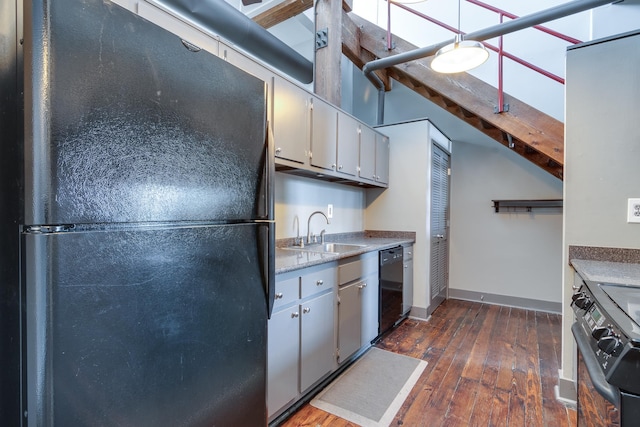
{"points": [[459, 33]]}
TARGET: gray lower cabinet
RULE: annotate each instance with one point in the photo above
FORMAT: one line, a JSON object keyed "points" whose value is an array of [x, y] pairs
{"points": [[349, 320], [407, 278], [357, 304], [284, 327], [301, 334], [316, 339], [370, 309]]}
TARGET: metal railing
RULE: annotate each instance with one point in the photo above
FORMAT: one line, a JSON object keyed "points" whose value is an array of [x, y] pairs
{"points": [[498, 49]]}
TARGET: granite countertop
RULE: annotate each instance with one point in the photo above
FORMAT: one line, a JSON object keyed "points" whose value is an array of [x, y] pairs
{"points": [[289, 260], [608, 272]]}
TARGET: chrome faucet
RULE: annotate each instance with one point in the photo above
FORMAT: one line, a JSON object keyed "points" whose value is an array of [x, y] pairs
{"points": [[298, 241], [309, 224]]}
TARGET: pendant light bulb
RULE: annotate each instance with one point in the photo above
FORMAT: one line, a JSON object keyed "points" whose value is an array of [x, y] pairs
{"points": [[459, 56]]}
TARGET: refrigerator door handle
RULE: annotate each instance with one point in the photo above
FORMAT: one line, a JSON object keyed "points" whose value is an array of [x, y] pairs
{"points": [[268, 252], [269, 172]]}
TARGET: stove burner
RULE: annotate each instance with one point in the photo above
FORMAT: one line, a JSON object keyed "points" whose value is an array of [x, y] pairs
{"points": [[627, 298]]}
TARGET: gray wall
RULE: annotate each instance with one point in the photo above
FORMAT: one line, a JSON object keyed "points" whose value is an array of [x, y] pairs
{"points": [[512, 254], [602, 157], [298, 197]]}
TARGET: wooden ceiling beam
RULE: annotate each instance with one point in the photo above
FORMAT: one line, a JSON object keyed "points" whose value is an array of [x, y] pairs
{"points": [[328, 72], [352, 48], [281, 12], [288, 9]]}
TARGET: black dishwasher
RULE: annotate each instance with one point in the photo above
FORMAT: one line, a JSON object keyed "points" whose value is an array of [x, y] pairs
{"points": [[391, 311]]}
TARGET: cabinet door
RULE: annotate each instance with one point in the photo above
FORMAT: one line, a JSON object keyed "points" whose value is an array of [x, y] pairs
{"points": [[283, 346], [324, 127], [316, 339], [349, 320], [407, 286], [367, 163], [370, 309], [290, 121], [348, 143], [382, 159]]}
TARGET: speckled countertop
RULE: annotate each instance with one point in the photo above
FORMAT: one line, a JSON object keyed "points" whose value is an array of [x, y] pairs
{"points": [[289, 260], [604, 264], [608, 272]]}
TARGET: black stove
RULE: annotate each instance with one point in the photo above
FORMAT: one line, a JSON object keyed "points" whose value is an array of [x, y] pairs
{"points": [[610, 314], [607, 332]]}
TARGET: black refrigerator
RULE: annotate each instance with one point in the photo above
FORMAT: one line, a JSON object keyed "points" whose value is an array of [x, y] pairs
{"points": [[137, 224]]}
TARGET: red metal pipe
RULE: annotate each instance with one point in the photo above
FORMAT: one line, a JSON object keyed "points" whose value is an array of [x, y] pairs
{"points": [[389, 25], [493, 48], [426, 17], [500, 62], [527, 64]]}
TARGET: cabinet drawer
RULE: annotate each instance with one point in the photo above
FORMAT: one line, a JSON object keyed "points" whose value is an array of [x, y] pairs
{"points": [[287, 291], [354, 269], [349, 271], [318, 280]]}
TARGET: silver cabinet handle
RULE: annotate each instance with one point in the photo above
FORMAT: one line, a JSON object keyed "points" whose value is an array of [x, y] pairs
{"points": [[320, 282], [340, 167], [440, 236], [278, 295], [333, 166], [295, 314], [364, 285], [406, 266], [306, 310], [278, 150]]}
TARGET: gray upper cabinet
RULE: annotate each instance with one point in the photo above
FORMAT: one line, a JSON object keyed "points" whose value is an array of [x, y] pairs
{"points": [[324, 127], [382, 158], [374, 157], [310, 136], [290, 121], [367, 168], [348, 143]]}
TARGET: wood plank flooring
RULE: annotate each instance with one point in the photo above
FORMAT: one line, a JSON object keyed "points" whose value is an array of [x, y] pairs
{"points": [[487, 366]]}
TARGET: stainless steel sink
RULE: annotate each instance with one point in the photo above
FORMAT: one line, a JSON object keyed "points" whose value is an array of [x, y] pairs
{"points": [[329, 247]]}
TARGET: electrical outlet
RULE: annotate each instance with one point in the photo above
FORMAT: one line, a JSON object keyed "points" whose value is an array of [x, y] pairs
{"points": [[633, 211], [330, 211]]}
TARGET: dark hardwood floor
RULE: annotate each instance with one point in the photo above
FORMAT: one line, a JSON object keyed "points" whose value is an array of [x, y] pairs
{"points": [[487, 366]]}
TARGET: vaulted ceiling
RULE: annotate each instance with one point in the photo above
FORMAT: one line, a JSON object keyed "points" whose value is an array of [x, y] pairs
{"points": [[534, 135]]}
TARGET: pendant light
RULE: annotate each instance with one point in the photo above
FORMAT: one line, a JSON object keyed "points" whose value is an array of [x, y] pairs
{"points": [[461, 55]]}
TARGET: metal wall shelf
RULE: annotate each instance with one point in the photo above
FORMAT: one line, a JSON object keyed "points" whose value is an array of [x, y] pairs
{"points": [[526, 205]]}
